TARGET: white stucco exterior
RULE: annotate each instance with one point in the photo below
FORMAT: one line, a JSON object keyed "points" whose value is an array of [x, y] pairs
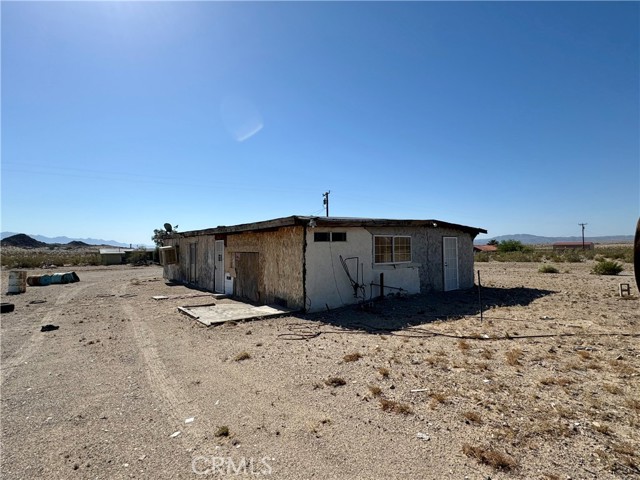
{"points": [[327, 283]]}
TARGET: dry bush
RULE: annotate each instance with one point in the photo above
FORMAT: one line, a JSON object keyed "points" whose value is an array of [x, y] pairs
{"points": [[563, 382], [634, 404], [375, 390], [584, 355], [612, 389], [489, 456], [602, 428], [487, 354], [352, 357], [472, 417], [242, 356], [395, 407], [385, 372], [464, 346], [513, 356], [222, 431], [335, 381]]}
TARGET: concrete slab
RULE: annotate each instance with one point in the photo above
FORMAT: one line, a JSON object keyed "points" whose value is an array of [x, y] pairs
{"points": [[232, 311]]}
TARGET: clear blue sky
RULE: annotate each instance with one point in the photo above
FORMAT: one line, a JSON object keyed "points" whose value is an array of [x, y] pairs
{"points": [[515, 117]]}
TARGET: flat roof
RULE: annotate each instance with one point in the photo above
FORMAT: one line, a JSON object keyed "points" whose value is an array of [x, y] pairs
{"points": [[328, 222]]}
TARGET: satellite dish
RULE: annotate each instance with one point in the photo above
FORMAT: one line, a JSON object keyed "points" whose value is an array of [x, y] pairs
{"points": [[168, 227]]}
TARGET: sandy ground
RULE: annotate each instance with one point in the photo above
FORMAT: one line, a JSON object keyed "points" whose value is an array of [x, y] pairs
{"points": [[546, 386]]}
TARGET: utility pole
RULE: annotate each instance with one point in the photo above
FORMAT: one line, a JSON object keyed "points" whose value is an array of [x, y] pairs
{"points": [[325, 201], [583, 225]]}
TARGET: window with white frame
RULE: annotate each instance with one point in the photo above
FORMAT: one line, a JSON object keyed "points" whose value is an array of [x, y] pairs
{"points": [[391, 249]]}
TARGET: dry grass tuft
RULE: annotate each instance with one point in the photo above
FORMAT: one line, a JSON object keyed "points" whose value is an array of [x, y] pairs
{"points": [[612, 389], [472, 417], [335, 381], [222, 431], [395, 407], [375, 390], [242, 356], [352, 357], [563, 382], [488, 456], [584, 355], [487, 354], [385, 372], [464, 346], [513, 356]]}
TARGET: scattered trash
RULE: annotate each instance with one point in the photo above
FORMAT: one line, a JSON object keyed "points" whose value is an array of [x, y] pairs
{"points": [[189, 420], [486, 380], [49, 328], [105, 295], [423, 436], [175, 434], [33, 302], [126, 295], [545, 317], [419, 390], [160, 297], [7, 307]]}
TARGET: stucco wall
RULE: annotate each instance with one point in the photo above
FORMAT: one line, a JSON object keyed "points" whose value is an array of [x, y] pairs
{"points": [[327, 282]]}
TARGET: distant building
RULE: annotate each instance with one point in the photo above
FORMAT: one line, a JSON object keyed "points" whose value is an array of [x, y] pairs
{"points": [[572, 245], [484, 248], [113, 256]]}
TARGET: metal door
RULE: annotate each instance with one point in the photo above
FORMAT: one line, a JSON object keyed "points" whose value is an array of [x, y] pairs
{"points": [[218, 265], [450, 263], [192, 263]]}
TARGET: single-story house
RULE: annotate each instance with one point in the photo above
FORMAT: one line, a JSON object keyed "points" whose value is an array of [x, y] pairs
{"points": [[572, 245], [316, 263]]}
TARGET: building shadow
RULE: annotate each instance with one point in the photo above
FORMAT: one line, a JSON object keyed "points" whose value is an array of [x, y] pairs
{"points": [[396, 313]]}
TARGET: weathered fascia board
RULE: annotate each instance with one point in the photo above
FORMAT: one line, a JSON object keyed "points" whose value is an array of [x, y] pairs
{"points": [[327, 222]]}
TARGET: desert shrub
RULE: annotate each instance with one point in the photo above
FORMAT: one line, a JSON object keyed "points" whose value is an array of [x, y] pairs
{"points": [[482, 257], [529, 255], [335, 381], [607, 267], [572, 256], [510, 246], [489, 456], [546, 268], [395, 407], [242, 356], [352, 357]]}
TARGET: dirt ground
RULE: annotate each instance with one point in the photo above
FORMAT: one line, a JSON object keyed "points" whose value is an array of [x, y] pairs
{"points": [[547, 385]]}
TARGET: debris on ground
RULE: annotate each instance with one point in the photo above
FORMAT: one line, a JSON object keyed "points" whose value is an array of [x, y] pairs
{"points": [[49, 328]]}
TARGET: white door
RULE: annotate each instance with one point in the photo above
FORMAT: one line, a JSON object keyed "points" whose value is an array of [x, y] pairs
{"points": [[218, 265], [450, 266]]}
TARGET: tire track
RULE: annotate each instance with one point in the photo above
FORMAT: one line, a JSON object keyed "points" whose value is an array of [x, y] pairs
{"points": [[33, 344], [162, 383]]}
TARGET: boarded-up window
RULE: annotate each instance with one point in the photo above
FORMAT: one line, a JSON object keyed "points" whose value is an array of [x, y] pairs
{"points": [[391, 249]]}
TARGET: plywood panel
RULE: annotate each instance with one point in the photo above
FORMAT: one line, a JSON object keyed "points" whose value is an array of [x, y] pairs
{"points": [[248, 275]]}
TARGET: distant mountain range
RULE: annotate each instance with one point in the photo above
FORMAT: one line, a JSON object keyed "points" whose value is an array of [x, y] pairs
{"points": [[528, 239], [65, 240]]}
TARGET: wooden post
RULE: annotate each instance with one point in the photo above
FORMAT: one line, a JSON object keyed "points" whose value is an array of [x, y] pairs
{"points": [[381, 285], [480, 295]]}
